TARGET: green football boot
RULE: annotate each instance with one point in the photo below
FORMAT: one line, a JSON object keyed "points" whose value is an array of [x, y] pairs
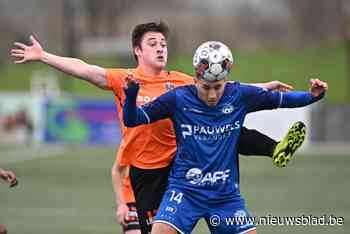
{"points": [[286, 148]]}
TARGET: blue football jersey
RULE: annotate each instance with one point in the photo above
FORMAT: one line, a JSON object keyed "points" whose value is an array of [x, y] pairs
{"points": [[206, 161]]}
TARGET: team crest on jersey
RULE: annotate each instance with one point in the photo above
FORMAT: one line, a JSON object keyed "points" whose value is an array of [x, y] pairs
{"points": [[169, 86], [228, 109]]}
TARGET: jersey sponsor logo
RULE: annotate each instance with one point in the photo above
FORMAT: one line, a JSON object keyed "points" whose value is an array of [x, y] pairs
{"points": [[169, 86], [196, 176], [141, 100], [205, 133], [228, 109]]}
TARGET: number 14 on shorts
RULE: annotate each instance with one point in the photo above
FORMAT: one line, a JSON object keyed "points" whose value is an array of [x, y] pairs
{"points": [[177, 197]]}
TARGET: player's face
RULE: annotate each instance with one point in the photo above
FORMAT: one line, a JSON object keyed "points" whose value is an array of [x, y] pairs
{"points": [[210, 92], [153, 52]]}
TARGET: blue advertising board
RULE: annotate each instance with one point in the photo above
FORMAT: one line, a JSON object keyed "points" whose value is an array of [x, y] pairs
{"points": [[81, 121]]}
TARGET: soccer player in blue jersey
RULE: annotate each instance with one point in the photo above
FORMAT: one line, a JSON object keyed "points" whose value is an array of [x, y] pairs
{"points": [[207, 118]]}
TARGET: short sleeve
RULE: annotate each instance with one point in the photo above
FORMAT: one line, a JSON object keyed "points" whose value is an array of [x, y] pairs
{"points": [[115, 80]]}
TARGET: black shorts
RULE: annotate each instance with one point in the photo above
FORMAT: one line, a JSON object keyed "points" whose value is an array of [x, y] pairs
{"points": [[149, 186], [132, 221]]}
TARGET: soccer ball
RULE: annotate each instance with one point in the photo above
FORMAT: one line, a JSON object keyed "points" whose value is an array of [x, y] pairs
{"points": [[212, 61]]}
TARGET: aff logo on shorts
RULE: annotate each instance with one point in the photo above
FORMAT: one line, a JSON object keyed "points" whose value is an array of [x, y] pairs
{"points": [[227, 109], [196, 176]]}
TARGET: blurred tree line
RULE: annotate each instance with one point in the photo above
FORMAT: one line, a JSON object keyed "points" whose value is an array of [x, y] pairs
{"points": [[64, 24], [304, 22]]}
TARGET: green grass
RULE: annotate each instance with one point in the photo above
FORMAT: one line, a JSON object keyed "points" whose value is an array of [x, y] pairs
{"points": [[70, 191], [295, 67]]}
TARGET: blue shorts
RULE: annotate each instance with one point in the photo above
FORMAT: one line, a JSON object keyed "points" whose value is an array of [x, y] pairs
{"points": [[182, 210]]}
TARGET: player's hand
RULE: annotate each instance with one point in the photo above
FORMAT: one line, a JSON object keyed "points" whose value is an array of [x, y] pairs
{"points": [[132, 86], [317, 87], [24, 53], [277, 85], [9, 176], [121, 214]]}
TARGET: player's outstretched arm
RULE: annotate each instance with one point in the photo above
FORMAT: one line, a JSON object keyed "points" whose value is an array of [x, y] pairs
{"points": [[9, 177], [132, 115], [258, 99], [316, 92], [275, 85], [161, 108], [23, 53]]}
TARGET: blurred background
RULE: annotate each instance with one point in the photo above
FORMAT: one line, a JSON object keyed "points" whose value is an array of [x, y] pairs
{"points": [[60, 134]]}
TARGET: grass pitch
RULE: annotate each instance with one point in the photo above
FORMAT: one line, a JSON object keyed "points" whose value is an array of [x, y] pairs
{"points": [[68, 190]]}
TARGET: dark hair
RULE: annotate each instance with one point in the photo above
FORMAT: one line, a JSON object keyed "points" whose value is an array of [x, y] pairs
{"points": [[141, 29]]}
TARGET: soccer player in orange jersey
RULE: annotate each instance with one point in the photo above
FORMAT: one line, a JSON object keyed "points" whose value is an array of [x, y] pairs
{"points": [[150, 155]]}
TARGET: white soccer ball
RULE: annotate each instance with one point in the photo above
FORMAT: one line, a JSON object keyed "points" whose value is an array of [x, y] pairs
{"points": [[212, 61]]}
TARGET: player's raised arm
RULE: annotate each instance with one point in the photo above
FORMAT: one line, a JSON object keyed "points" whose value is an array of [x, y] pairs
{"points": [[161, 108], [261, 99], [275, 85], [316, 92], [35, 53]]}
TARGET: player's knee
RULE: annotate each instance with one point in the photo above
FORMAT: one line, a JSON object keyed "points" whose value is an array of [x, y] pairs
{"points": [[133, 231], [162, 228]]}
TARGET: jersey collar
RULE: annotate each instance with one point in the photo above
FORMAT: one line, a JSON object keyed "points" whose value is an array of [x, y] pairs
{"points": [[163, 74]]}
